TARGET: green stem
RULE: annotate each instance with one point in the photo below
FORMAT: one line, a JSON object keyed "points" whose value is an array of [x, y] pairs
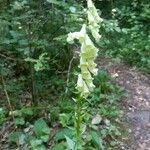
{"points": [[78, 122]]}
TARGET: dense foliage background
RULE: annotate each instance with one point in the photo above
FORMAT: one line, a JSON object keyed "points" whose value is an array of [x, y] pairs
{"points": [[38, 67]]}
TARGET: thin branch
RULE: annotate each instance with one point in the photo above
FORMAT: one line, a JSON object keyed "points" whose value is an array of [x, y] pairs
{"points": [[68, 74], [10, 58], [7, 57], [7, 97]]}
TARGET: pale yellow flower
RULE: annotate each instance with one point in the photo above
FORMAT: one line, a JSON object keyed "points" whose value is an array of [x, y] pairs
{"points": [[80, 83], [82, 87], [94, 20], [88, 51], [90, 85]]}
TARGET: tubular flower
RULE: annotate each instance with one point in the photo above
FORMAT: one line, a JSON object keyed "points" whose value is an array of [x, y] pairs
{"points": [[82, 87], [88, 51], [87, 56], [93, 19]]}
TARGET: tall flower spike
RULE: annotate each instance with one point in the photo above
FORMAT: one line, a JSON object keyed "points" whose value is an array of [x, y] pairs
{"points": [[87, 66], [93, 19], [88, 51]]}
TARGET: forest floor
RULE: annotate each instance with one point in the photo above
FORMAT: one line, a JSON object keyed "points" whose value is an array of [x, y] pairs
{"points": [[136, 106]]}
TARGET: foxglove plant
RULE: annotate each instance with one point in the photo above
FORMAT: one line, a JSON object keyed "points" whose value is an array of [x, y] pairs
{"points": [[87, 65]]}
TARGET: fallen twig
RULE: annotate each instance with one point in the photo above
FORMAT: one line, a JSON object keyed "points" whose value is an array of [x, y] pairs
{"points": [[7, 97]]}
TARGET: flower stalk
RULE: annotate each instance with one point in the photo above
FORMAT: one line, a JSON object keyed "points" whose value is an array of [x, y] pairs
{"points": [[87, 65], [78, 122]]}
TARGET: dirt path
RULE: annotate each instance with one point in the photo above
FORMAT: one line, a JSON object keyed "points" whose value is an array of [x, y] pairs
{"points": [[137, 104]]}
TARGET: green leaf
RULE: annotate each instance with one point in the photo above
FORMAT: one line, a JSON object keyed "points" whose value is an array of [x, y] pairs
{"points": [[38, 66], [61, 135], [23, 42], [14, 137], [64, 119], [70, 143], [15, 34], [19, 121], [58, 147], [22, 139], [27, 111], [39, 128], [44, 138], [54, 2], [35, 142], [97, 140], [17, 5]]}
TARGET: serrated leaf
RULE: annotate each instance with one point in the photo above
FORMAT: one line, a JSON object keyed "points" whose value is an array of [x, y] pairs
{"points": [[39, 126], [19, 121], [64, 118], [97, 140], [35, 142], [58, 147], [44, 138], [14, 137], [27, 111], [70, 143], [61, 134]]}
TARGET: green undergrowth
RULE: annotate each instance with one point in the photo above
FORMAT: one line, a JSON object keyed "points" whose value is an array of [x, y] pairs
{"points": [[126, 34], [44, 127]]}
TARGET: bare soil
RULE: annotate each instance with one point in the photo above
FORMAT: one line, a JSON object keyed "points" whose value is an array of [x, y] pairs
{"points": [[136, 106]]}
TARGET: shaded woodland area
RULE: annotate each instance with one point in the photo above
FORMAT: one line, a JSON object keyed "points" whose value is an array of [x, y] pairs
{"points": [[38, 75]]}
